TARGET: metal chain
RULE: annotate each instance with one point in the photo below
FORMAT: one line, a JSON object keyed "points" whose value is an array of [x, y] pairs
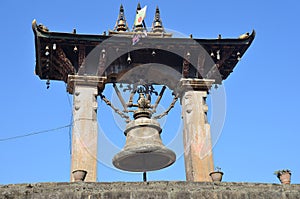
{"points": [[123, 115], [127, 118], [176, 96]]}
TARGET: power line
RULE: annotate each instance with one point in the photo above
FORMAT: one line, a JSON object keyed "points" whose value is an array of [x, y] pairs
{"points": [[34, 133], [48, 130]]}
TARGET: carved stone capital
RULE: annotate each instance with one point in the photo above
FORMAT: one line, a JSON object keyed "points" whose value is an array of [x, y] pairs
{"points": [[187, 84], [85, 80]]}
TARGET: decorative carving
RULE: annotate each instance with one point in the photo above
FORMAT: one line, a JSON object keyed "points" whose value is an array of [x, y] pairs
{"points": [[185, 68], [43, 28], [188, 103], [81, 58], [186, 65], [77, 108], [102, 62], [200, 65], [59, 63]]}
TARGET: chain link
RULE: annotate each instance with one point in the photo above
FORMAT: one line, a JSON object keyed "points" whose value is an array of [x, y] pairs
{"points": [[127, 118], [123, 115], [176, 96]]}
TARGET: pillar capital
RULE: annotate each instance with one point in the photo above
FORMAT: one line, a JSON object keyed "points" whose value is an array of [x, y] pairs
{"points": [[85, 80], [187, 84]]}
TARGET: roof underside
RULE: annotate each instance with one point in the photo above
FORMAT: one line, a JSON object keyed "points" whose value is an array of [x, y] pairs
{"points": [[61, 54]]}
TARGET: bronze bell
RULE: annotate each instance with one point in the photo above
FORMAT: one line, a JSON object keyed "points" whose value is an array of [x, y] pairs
{"points": [[144, 150]]}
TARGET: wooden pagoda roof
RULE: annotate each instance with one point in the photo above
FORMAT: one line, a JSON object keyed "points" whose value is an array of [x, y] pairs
{"points": [[61, 54]]}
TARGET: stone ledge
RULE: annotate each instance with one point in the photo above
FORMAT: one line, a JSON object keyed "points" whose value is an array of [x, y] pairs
{"points": [[150, 190]]}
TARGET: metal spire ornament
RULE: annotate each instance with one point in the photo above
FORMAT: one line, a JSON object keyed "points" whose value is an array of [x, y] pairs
{"points": [[121, 23], [157, 26]]}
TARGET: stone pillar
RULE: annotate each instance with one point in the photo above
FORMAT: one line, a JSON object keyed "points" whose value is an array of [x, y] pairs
{"points": [[85, 126], [196, 130]]}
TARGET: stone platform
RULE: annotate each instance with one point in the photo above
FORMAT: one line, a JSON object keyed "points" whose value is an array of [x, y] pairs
{"points": [[149, 190]]}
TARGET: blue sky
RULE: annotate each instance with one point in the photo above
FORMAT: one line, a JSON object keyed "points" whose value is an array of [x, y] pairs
{"points": [[260, 133]]}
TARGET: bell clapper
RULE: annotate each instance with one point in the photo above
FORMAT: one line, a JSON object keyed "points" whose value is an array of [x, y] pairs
{"points": [[145, 176]]}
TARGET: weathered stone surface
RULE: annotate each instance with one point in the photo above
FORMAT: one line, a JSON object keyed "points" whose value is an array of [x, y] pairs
{"points": [[159, 194], [85, 126], [198, 155], [150, 190]]}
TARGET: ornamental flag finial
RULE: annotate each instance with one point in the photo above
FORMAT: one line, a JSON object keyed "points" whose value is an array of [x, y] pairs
{"points": [[139, 23]]}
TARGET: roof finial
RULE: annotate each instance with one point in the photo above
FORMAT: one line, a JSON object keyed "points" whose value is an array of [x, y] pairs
{"points": [[138, 6], [121, 24], [157, 23], [140, 27]]}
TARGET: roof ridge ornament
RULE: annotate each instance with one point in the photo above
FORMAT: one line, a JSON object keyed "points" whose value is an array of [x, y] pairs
{"points": [[157, 26], [121, 23], [138, 6]]}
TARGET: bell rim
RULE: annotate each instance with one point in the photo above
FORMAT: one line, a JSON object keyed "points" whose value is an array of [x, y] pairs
{"points": [[134, 152]]}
